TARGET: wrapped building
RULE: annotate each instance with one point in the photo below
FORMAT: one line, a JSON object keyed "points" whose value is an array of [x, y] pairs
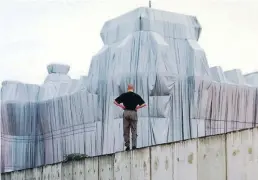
{"points": [[157, 52]]}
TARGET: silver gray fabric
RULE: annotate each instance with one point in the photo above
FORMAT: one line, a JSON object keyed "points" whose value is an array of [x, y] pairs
{"points": [[235, 76], [156, 51], [252, 78], [218, 75]]}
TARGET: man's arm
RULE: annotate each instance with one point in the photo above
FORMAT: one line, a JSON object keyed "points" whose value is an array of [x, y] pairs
{"points": [[141, 103], [140, 106], [120, 105], [118, 101]]}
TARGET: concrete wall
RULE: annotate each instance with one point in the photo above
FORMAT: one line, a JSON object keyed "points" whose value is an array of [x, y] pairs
{"points": [[232, 156]]}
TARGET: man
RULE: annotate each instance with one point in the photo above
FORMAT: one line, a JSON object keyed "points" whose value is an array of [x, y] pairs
{"points": [[131, 103]]}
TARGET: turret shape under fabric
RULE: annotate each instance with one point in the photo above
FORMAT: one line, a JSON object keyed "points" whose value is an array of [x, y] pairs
{"points": [[175, 35], [235, 76], [56, 83], [218, 74], [252, 78], [167, 24], [146, 41], [57, 73]]}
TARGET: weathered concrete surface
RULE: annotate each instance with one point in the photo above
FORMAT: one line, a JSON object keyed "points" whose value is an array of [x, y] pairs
{"points": [[34, 174], [232, 156], [92, 168], [122, 169], [162, 161], [211, 158], [185, 160], [242, 155], [106, 167], [140, 164]]}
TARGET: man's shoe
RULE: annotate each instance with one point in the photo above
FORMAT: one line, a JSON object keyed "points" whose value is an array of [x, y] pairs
{"points": [[134, 147], [127, 149]]}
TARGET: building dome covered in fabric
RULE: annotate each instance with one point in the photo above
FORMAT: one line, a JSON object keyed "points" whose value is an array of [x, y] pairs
{"points": [[171, 25]]}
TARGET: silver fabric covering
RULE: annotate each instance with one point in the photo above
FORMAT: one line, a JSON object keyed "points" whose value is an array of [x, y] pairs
{"points": [[156, 51]]}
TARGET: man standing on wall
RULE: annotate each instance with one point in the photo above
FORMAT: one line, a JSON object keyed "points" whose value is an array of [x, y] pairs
{"points": [[131, 103]]}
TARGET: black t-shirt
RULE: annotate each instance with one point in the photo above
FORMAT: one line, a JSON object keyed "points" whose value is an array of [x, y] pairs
{"points": [[130, 100]]}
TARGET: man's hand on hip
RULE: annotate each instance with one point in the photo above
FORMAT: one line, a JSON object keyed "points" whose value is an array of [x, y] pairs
{"points": [[120, 105], [141, 106]]}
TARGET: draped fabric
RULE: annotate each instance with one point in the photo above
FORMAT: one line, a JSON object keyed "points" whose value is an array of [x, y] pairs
{"points": [[158, 53]]}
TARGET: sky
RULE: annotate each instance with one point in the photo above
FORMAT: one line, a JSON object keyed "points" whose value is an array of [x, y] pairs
{"points": [[35, 33]]}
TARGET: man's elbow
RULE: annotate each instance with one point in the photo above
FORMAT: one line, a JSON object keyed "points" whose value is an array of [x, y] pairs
{"points": [[143, 105], [116, 103]]}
